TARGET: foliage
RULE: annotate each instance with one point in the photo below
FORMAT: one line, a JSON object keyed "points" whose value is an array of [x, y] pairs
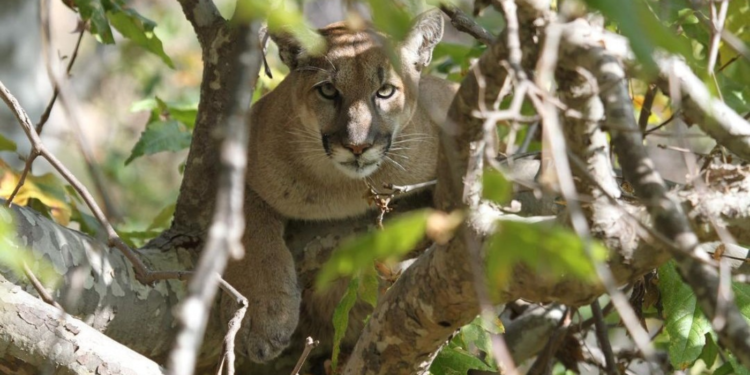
{"points": [[115, 13], [341, 318], [470, 349], [547, 249], [690, 334], [47, 189], [168, 128], [398, 237], [685, 323]]}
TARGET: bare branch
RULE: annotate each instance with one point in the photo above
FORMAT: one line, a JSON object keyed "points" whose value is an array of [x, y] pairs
{"points": [[60, 83], [602, 335], [227, 350], [45, 115], [462, 22], [310, 344], [43, 293], [142, 272]]}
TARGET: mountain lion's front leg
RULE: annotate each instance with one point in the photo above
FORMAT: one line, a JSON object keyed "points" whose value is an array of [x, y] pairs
{"points": [[267, 277]]}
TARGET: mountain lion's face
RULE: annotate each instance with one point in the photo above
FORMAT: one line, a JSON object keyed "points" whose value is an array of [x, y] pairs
{"points": [[352, 100]]}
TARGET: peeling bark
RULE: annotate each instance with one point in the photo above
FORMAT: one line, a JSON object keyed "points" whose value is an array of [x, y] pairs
{"points": [[37, 338]]}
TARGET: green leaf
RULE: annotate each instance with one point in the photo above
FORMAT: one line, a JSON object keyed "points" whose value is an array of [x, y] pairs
{"points": [[549, 250], [725, 369], [182, 112], [283, 15], [137, 238], [738, 368], [369, 287], [390, 19], [399, 236], [138, 29], [94, 12], [684, 321], [6, 144], [478, 335], [644, 31], [160, 136], [742, 298], [495, 187], [86, 223], [163, 218], [456, 361], [341, 318], [710, 351]]}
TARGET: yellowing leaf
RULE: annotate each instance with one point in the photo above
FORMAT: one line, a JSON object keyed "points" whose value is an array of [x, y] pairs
{"points": [[47, 188]]}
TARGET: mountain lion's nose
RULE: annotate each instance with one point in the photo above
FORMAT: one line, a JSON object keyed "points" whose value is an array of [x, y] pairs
{"points": [[358, 149]]}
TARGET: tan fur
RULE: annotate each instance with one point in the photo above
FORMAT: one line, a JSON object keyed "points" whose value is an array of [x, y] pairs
{"points": [[302, 162]]}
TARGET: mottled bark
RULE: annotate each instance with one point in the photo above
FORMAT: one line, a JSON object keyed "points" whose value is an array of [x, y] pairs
{"points": [[37, 338], [220, 45]]}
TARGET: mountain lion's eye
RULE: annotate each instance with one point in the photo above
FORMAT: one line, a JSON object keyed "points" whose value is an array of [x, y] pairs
{"points": [[386, 91], [327, 91]]}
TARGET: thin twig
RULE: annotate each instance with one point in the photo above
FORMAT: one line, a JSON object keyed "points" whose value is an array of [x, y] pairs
{"points": [[400, 189], [648, 102], [530, 134], [227, 351], [726, 64], [463, 22], [45, 115], [543, 362], [310, 344], [603, 336], [43, 293], [29, 160], [142, 273], [657, 127], [716, 26], [59, 81]]}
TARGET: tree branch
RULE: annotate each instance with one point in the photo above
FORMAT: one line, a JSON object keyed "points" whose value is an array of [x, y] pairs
{"points": [[581, 47], [43, 338], [462, 22], [711, 114], [224, 238]]}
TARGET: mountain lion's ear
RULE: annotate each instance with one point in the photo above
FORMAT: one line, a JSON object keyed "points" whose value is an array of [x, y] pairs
{"points": [[290, 49], [424, 34]]}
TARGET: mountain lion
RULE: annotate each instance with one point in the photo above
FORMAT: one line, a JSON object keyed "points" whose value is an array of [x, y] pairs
{"points": [[352, 115]]}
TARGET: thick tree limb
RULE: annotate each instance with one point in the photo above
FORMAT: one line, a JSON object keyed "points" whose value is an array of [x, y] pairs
{"points": [[219, 44], [37, 338], [224, 237], [205, 18]]}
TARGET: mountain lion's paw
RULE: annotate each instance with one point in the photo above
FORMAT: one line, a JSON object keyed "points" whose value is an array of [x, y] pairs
{"points": [[270, 323]]}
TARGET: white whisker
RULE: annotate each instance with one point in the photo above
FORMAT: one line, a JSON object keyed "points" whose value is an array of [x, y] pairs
{"points": [[394, 162]]}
